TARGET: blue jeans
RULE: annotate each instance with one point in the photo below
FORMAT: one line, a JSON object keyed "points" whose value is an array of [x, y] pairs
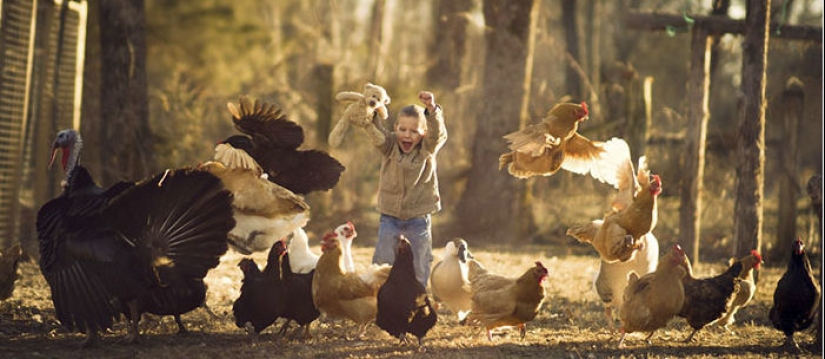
{"points": [[418, 231]]}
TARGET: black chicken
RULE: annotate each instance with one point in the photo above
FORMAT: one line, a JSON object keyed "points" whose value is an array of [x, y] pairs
{"points": [[708, 299], [272, 141], [9, 261], [263, 295], [299, 307], [184, 297], [104, 248], [403, 304], [797, 295]]}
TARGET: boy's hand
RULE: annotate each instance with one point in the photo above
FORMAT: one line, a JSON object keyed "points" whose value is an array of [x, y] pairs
{"points": [[428, 99]]}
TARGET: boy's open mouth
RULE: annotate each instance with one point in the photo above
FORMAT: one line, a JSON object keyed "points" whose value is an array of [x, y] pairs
{"points": [[406, 145]]}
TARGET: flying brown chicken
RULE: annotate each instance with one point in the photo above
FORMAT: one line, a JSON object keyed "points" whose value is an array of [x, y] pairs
{"points": [[542, 149]]}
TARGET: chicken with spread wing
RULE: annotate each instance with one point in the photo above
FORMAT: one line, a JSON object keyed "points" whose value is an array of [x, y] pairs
{"points": [[542, 149], [620, 235], [269, 145]]}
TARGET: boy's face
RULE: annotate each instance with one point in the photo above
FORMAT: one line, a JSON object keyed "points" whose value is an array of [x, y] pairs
{"points": [[408, 131]]}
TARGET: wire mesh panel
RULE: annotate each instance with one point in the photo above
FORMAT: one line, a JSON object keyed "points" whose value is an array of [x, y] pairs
{"points": [[16, 43], [39, 94]]}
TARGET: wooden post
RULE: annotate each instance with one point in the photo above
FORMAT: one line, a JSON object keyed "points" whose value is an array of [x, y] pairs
{"points": [[750, 169], [794, 103], [694, 160], [814, 188]]}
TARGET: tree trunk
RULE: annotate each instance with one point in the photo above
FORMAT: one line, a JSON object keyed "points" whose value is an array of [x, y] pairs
{"points": [[376, 39], [126, 139], [571, 38], [794, 104], [593, 48], [449, 43], [697, 109], [490, 205], [814, 189], [90, 123], [750, 171]]}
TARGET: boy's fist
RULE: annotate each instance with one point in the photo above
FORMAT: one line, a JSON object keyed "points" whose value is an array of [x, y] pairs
{"points": [[428, 99]]}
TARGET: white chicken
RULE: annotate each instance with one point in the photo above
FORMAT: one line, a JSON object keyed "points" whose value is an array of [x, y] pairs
{"points": [[612, 277], [346, 234], [301, 259], [449, 279]]}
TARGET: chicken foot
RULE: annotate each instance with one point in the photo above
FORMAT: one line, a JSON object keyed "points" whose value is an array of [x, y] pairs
{"points": [[132, 331], [690, 337], [608, 314], [791, 344], [91, 339], [181, 328]]}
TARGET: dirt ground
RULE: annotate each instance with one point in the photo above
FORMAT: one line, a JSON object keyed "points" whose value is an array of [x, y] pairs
{"points": [[570, 324]]}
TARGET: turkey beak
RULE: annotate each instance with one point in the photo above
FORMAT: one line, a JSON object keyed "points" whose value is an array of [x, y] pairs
{"points": [[54, 155]]}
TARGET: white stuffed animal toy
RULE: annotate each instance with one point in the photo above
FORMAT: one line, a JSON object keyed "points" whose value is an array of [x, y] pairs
{"points": [[360, 112]]}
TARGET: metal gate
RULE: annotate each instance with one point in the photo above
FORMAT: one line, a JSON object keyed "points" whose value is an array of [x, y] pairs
{"points": [[42, 43]]}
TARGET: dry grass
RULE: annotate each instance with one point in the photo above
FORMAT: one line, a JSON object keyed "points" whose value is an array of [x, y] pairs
{"points": [[570, 324]]}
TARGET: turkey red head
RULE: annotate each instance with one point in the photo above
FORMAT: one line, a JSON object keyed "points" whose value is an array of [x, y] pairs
{"points": [[69, 143]]}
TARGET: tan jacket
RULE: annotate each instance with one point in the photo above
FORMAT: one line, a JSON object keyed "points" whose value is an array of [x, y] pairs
{"points": [[408, 184]]}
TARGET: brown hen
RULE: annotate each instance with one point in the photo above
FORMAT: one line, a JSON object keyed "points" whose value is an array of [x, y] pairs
{"points": [[651, 301], [633, 214], [498, 301], [542, 149], [343, 295]]}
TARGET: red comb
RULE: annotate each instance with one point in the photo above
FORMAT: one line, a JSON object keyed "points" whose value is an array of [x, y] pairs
{"points": [[756, 254], [584, 107]]}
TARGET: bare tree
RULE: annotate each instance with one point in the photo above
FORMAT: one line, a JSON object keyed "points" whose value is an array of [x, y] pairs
{"points": [[490, 204], [126, 140], [450, 43], [750, 170], [571, 36]]}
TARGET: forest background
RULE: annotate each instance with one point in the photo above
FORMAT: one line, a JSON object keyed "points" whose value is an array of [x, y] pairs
{"points": [[298, 54]]}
